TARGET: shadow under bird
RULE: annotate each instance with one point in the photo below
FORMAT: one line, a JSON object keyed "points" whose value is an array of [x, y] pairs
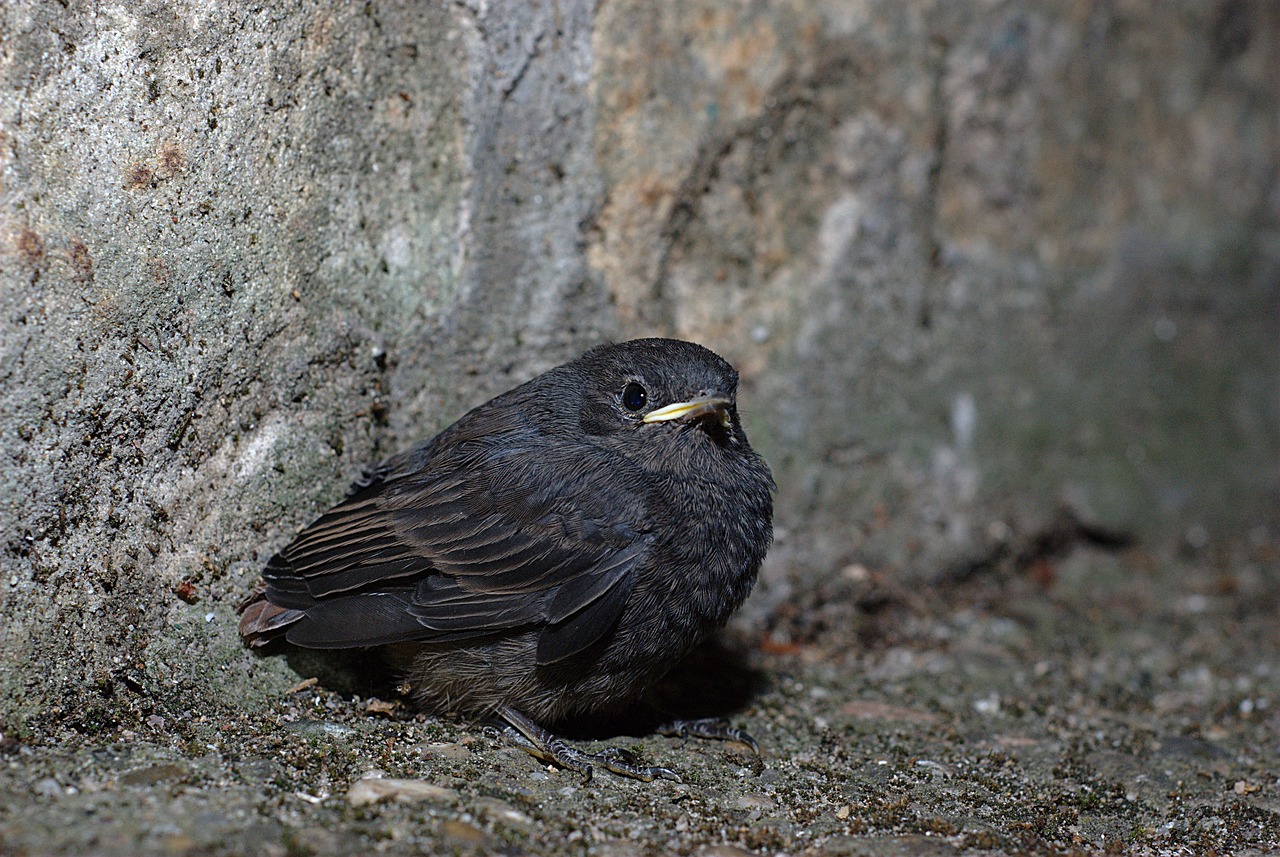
{"points": [[551, 554]]}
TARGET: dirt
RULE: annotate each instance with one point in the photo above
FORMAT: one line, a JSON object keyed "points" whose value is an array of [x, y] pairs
{"points": [[1118, 701]]}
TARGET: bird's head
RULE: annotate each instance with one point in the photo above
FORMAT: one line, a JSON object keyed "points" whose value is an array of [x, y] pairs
{"points": [[656, 390]]}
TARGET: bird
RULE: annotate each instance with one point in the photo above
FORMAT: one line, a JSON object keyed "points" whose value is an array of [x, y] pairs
{"points": [[550, 555]]}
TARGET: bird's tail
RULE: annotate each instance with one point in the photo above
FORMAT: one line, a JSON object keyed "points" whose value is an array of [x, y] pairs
{"points": [[261, 621]]}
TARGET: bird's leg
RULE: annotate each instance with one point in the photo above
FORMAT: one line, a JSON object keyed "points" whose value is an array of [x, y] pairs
{"points": [[546, 747], [713, 728]]}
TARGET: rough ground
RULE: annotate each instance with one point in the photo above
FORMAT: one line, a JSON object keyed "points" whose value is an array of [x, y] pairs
{"points": [[1074, 700]]}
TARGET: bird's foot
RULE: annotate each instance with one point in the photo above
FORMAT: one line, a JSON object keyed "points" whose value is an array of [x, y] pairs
{"points": [[712, 728], [547, 747]]}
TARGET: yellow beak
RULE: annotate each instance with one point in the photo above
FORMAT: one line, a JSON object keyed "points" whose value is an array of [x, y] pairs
{"points": [[692, 410]]}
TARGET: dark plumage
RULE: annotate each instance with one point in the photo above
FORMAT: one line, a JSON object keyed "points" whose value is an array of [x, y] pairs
{"points": [[552, 553]]}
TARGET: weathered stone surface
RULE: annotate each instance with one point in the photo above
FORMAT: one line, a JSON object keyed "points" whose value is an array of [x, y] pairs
{"points": [[976, 262], [245, 251]]}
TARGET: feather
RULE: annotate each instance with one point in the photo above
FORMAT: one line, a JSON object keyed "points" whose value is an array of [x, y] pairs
{"points": [[430, 555], [369, 619], [585, 608]]}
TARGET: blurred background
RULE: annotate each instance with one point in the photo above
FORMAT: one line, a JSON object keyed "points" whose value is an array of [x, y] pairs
{"points": [[1000, 277]]}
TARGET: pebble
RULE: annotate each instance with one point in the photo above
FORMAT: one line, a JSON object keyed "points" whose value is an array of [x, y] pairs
{"points": [[461, 831], [48, 787], [153, 774], [369, 790], [754, 801], [321, 729], [444, 751], [504, 812]]}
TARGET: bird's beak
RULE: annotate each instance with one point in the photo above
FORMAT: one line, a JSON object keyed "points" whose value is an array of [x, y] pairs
{"points": [[692, 410]]}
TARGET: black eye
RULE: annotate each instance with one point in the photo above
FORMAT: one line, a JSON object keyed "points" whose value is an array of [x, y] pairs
{"points": [[634, 396]]}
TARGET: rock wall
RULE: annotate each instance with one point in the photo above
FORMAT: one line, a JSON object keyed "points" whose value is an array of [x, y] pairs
{"points": [[979, 263]]}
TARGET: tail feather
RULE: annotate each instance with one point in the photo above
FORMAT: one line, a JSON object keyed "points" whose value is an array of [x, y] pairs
{"points": [[261, 621]]}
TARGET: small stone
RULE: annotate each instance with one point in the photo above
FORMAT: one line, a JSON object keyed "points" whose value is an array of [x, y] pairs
{"points": [[444, 751], [503, 812], [153, 774], [619, 848], [178, 843], [936, 769], [754, 801], [321, 729], [460, 831], [881, 711], [988, 705], [723, 851], [856, 573], [48, 787], [369, 790], [381, 706], [315, 840]]}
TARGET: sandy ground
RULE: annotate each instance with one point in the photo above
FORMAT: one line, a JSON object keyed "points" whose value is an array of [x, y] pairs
{"points": [[1101, 701]]}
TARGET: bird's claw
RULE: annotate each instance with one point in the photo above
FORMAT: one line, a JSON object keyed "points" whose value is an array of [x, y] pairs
{"points": [[547, 747], [712, 728], [626, 763]]}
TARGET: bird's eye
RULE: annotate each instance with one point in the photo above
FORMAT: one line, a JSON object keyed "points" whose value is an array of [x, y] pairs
{"points": [[634, 396]]}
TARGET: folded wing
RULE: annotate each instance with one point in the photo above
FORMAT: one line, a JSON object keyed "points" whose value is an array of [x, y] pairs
{"points": [[482, 539]]}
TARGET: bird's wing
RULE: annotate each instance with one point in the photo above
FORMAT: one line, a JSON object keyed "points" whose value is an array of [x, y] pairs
{"points": [[486, 538]]}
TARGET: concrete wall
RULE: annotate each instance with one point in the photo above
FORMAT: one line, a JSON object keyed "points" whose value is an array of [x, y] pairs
{"points": [[978, 262]]}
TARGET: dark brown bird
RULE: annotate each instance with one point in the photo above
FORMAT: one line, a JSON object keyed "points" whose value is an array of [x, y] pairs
{"points": [[552, 553]]}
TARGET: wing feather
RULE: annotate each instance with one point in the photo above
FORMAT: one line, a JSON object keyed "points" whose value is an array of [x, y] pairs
{"points": [[368, 619], [473, 540]]}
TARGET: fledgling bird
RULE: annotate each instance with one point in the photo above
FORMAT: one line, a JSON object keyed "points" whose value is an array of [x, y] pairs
{"points": [[551, 554]]}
